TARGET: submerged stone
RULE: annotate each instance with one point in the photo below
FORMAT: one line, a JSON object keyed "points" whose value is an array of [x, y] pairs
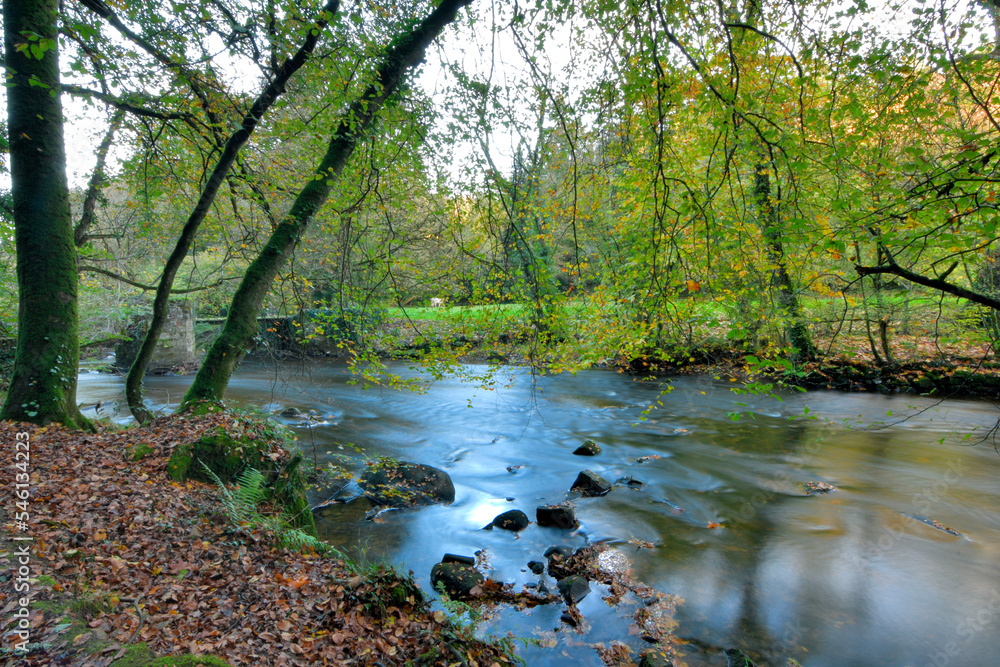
{"points": [[655, 659], [738, 658]]}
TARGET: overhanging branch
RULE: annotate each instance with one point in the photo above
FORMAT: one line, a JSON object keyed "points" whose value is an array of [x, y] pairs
{"points": [[150, 288], [118, 103], [934, 283]]}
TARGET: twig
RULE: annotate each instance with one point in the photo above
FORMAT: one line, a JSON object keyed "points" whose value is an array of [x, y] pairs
{"points": [[138, 627]]}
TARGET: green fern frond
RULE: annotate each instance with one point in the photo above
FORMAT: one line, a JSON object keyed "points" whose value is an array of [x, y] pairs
{"points": [[236, 516], [250, 491], [241, 506]]}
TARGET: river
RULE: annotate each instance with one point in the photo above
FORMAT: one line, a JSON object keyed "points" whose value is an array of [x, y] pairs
{"points": [[857, 576]]}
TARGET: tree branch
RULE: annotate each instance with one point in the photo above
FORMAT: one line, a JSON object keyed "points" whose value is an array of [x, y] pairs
{"points": [[80, 233], [181, 68], [118, 103], [150, 288], [934, 283]]}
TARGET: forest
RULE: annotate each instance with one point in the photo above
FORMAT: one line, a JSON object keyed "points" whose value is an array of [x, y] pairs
{"points": [[800, 192], [600, 182]]}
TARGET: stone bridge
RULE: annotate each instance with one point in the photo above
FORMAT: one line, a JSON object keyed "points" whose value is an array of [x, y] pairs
{"points": [[177, 352]]}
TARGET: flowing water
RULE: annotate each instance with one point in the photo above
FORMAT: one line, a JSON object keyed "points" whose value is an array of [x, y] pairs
{"points": [[900, 565]]}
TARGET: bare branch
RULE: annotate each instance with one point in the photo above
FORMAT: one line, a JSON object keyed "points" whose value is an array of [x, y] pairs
{"points": [[150, 288], [934, 283]]}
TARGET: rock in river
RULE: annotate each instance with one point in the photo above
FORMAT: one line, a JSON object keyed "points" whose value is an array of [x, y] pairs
{"points": [[457, 579], [588, 448], [573, 588], [591, 484], [511, 520], [400, 484], [557, 516]]}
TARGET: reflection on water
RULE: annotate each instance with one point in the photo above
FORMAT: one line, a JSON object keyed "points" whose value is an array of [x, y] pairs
{"points": [[859, 576]]}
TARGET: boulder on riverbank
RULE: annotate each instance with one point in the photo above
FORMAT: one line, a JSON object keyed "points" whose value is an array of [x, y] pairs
{"points": [[399, 484]]}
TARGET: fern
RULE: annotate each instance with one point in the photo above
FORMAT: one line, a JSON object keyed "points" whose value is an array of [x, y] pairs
{"points": [[237, 516], [241, 506], [249, 492], [295, 539]]}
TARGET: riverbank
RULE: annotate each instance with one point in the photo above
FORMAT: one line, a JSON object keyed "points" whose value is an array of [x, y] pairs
{"points": [[127, 565], [920, 364]]}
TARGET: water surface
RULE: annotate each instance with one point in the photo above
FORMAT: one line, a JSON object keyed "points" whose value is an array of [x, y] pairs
{"points": [[858, 576]]}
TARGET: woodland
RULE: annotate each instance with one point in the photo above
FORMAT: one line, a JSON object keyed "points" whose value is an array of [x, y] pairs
{"points": [[642, 184], [757, 176]]}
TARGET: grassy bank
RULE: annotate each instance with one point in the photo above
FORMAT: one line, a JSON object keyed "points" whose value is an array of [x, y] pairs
{"points": [[927, 345]]}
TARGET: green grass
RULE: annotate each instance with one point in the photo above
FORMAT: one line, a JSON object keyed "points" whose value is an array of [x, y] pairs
{"points": [[704, 320], [704, 309], [449, 313]]}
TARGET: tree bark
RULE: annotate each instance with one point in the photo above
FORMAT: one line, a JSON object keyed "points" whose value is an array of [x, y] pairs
{"points": [[241, 324], [161, 303], [43, 386]]}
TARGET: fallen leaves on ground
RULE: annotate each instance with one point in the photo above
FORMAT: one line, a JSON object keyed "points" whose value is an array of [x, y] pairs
{"points": [[158, 561]]}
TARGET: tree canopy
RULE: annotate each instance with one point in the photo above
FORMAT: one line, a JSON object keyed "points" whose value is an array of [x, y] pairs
{"points": [[608, 168]]}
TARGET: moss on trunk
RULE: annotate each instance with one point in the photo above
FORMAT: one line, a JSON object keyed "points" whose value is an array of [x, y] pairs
{"points": [[43, 385]]}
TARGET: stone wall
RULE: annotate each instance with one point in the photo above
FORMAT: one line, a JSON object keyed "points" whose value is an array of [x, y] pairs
{"points": [[175, 350]]}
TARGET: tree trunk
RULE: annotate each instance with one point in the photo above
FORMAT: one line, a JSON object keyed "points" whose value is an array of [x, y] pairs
{"points": [[43, 386], [781, 282], [241, 324], [161, 303]]}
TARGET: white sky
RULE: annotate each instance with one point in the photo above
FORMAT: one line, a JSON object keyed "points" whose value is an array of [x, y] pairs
{"points": [[481, 54]]}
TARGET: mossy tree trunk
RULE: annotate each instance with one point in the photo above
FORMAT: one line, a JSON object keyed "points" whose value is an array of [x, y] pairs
{"points": [[781, 281], [43, 386], [241, 324], [161, 303]]}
